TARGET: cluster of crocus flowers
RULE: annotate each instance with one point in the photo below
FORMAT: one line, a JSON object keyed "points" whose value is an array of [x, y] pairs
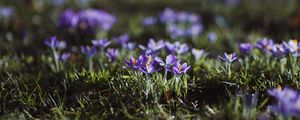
{"points": [[288, 102], [56, 47], [178, 24], [145, 64], [148, 65], [176, 48], [269, 47], [87, 20], [181, 24], [173, 65], [99, 46]]}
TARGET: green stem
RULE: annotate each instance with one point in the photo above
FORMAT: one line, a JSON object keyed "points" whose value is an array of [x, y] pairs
{"points": [[90, 64], [56, 57]]}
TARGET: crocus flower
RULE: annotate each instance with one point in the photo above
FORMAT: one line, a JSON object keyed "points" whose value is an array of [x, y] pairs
{"points": [[181, 24], [293, 47], [133, 63], [278, 50], [148, 64], [168, 15], [89, 51], [122, 39], [101, 43], [288, 102], [96, 18], [176, 47], [149, 21], [197, 53], [265, 44], [129, 45], [53, 43], [112, 54], [6, 12], [245, 47], [64, 57], [195, 30], [153, 47], [179, 69], [68, 19], [212, 37], [87, 20], [169, 63], [228, 57]]}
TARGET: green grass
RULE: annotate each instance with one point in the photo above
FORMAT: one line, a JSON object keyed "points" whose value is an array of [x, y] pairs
{"points": [[31, 87]]}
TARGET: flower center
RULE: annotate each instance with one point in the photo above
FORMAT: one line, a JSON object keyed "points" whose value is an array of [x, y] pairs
{"points": [[230, 56], [179, 67], [134, 61], [148, 61], [295, 44]]}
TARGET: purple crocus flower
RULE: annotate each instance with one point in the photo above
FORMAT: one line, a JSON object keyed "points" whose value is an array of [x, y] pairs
{"points": [[68, 19], [122, 39], [265, 44], [293, 47], [6, 12], [245, 47], [212, 37], [288, 101], [170, 62], [195, 30], [133, 63], [278, 50], [176, 47], [53, 43], [148, 64], [101, 43], [228, 57], [168, 15], [112, 54], [87, 20], [91, 19], [179, 69], [181, 24], [89, 51], [175, 31], [149, 21], [153, 47], [129, 45], [64, 57], [198, 53]]}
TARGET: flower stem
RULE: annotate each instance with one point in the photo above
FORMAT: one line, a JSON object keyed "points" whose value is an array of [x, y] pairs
{"points": [[56, 57], [90, 64]]}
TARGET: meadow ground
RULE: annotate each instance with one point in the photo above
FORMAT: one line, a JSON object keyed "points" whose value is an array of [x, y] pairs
{"points": [[149, 59]]}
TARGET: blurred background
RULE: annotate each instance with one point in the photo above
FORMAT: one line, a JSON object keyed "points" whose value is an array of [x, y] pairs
{"points": [[24, 24]]}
